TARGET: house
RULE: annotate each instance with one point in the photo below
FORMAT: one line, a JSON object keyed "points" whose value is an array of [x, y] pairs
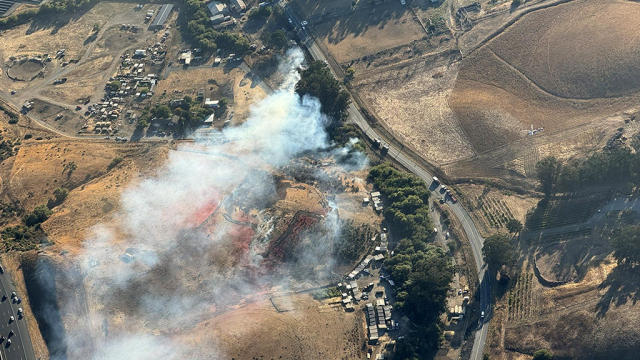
{"points": [[185, 57], [211, 103], [176, 102], [217, 8], [238, 5]]}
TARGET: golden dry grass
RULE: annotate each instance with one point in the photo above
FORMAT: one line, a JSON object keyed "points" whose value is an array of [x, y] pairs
{"points": [[311, 330]]}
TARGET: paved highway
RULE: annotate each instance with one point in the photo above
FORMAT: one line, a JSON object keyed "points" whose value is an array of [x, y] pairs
{"points": [[20, 348], [476, 241]]}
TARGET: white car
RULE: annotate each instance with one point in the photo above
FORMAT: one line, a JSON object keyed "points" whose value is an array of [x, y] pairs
{"points": [[11, 319], [304, 23]]}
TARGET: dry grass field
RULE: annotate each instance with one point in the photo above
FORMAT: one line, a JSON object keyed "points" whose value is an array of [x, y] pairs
{"points": [[41, 166], [591, 53], [471, 117], [371, 27], [413, 102], [594, 318], [517, 81], [308, 330]]}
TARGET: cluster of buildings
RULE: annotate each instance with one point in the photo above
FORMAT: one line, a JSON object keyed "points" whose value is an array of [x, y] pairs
{"points": [[375, 198], [379, 319], [221, 13], [131, 82]]}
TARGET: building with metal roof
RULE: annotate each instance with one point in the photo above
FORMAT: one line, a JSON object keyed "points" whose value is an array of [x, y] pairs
{"points": [[161, 18]]}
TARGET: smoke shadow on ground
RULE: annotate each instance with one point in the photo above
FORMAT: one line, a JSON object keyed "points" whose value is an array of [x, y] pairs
{"points": [[39, 275]]}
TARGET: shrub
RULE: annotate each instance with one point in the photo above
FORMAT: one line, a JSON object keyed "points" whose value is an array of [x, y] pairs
{"points": [[39, 215]]}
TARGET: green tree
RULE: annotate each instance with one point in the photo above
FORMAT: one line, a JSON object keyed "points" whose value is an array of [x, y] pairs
{"points": [[39, 215], [542, 354], [547, 170], [278, 39], [317, 81], [626, 245], [161, 111], [514, 226], [498, 251], [114, 85], [260, 13], [349, 74], [59, 195]]}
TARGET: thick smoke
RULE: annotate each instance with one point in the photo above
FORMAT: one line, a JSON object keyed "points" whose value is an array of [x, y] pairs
{"points": [[146, 278]]}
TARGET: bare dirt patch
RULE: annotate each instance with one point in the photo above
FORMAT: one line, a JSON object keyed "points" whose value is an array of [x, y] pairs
{"points": [[25, 69]]}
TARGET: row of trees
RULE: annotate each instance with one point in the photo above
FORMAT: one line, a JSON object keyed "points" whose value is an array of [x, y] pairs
{"points": [[317, 81], [618, 166], [421, 270]]}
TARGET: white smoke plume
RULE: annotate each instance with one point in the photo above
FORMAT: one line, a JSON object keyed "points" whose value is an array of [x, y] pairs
{"points": [[147, 278]]}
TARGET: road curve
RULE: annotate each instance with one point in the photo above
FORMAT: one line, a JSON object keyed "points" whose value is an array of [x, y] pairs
{"points": [[399, 155]]}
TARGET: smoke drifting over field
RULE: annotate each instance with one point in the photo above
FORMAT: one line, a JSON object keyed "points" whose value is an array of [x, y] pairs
{"points": [[147, 277]]}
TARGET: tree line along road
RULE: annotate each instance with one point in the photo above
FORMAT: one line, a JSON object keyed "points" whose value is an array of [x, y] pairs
{"points": [[400, 156]]}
